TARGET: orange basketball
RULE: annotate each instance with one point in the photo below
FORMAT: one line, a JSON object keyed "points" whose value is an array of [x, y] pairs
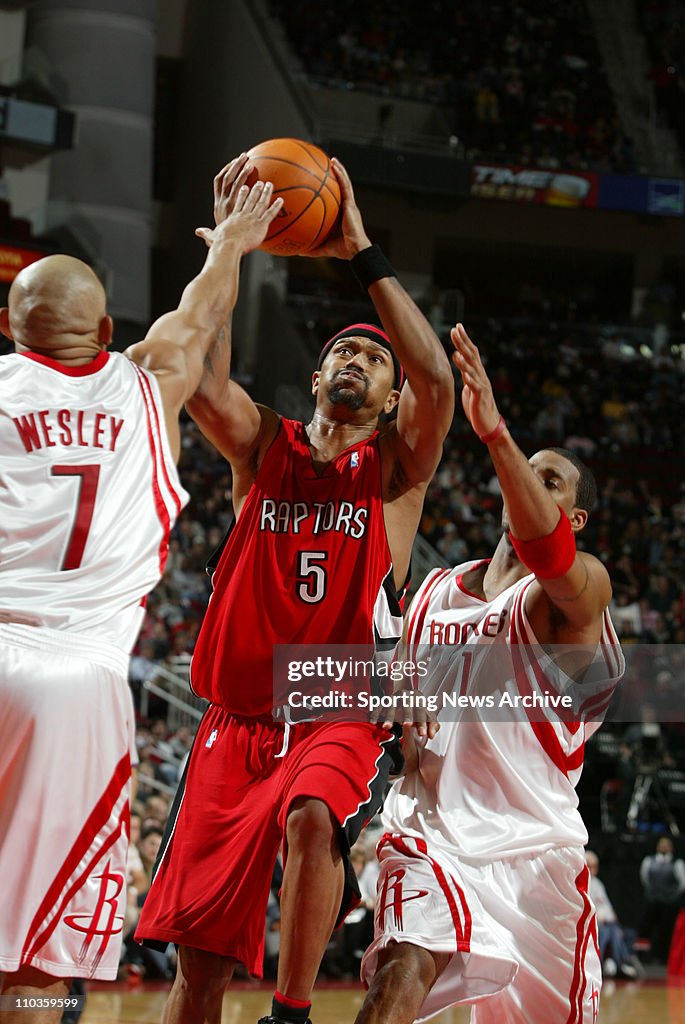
{"points": [[301, 173]]}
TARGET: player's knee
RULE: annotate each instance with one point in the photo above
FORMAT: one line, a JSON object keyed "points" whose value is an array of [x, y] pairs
{"points": [[310, 823], [202, 972], [403, 965]]}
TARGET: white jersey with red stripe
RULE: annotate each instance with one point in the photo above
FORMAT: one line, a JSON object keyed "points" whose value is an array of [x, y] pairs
{"points": [[494, 784], [89, 492]]}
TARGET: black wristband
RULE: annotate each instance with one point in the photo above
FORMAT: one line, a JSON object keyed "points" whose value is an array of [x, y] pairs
{"points": [[370, 265]]}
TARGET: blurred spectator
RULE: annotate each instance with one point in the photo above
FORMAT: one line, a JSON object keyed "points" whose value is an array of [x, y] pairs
{"points": [[148, 847], [156, 810], [663, 878], [614, 952]]}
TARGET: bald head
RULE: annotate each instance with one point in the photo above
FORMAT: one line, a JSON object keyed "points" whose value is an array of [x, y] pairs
{"points": [[55, 304]]}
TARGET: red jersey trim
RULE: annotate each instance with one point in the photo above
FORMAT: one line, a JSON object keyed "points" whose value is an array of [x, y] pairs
{"points": [[595, 705], [160, 507], [417, 617], [69, 371], [172, 490], [459, 580], [544, 731]]}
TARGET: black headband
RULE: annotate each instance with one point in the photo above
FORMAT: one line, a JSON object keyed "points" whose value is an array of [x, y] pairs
{"points": [[373, 334]]}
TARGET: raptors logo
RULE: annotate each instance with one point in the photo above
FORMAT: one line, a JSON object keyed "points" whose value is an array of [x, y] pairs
{"points": [[393, 896], [104, 921]]}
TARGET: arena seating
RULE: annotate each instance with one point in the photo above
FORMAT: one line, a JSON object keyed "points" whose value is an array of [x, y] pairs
{"points": [[522, 84]]}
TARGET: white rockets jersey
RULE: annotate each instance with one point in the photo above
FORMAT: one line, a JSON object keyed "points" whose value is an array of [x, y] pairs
{"points": [[499, 781], [88, 494]]}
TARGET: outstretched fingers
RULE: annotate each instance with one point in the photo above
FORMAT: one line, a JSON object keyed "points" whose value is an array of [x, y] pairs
{"points": [[344, 179], [466, 358], [228, 183], [226, 177]]}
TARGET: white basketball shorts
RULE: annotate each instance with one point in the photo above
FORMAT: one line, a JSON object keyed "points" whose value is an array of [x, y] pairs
{"points": [[522, 931], [66, 737]]}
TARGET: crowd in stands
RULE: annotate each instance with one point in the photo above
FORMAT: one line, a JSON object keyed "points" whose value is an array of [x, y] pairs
{"points": [[517, 83], [622, 413], [663, 23]]}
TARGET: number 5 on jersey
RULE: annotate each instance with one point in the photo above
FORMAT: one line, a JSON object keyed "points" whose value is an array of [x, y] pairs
{"points": [[312, 578]]}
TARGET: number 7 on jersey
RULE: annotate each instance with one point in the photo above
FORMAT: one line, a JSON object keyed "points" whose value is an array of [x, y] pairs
{"points": [[85, 505]]}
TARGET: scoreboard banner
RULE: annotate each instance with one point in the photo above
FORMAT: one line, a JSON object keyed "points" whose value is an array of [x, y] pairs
{"points": [[535, 185], [663, 197]]}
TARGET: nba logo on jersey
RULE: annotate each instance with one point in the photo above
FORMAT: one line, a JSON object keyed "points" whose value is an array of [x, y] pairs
{"points": [[212, 738], [354, 460]]}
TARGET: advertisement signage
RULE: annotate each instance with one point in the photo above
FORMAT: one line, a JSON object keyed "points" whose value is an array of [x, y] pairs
{"points": [[535, 185], [663, 197], [13, 259]]}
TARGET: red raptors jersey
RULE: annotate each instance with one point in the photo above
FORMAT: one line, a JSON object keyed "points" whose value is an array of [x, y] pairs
{"points": [[307, 562]]}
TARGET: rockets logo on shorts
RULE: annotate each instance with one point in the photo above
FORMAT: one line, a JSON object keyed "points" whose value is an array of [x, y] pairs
{"points": [[104, 921], [393, 896]]}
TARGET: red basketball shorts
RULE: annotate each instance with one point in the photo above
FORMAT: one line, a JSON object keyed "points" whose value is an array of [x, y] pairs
{"points": [[212, 879]]}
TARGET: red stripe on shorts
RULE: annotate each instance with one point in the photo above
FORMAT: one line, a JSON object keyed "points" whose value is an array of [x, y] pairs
{"points": [[463, 933], [97, 819], [583, 931]]}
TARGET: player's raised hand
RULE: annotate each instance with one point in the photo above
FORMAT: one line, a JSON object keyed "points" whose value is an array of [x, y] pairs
{"points": [[348, 237], [227, 185], [252, 211], [476, 396]]}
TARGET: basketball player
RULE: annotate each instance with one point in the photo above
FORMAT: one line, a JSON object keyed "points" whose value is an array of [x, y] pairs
{"points": [[326, 514], [88, 494], [483, 890]]}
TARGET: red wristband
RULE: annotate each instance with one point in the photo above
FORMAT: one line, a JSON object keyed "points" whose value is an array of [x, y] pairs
{"points": [[494, 433], [551, 556]]}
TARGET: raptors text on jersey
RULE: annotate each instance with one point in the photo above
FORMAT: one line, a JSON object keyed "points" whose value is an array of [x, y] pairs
{"points": [[307, 562]]}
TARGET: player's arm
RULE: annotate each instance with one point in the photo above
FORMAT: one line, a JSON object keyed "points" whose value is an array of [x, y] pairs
{"points": [[224, 412], [409, 713], [426, 404], [575, 583], [176, 345]]}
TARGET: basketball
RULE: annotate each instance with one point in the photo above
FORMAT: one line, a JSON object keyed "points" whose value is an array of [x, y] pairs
{"points": [[301, 173]]}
